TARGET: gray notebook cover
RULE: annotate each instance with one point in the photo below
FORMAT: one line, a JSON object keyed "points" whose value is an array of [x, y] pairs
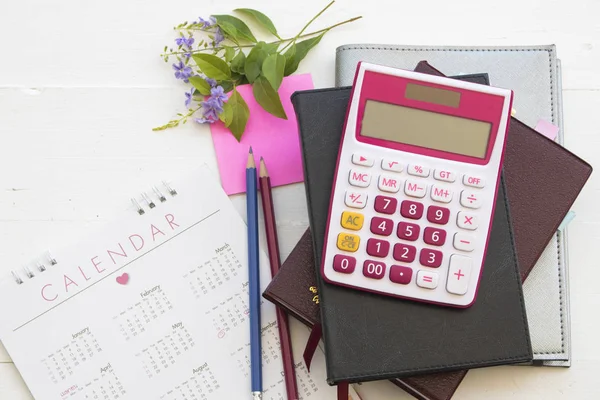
{"points": [[533, 73]]}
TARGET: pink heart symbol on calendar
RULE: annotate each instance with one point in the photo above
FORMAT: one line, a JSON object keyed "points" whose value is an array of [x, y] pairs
{"points": [[123, 279]]}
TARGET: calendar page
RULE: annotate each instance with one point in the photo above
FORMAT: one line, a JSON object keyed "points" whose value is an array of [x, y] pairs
{"points": [[154, 306]]}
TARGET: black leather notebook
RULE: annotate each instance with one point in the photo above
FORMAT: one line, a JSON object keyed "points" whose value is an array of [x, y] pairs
{"points": [[372, 337]]}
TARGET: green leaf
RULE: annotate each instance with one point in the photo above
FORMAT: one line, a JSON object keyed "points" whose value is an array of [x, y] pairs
{"points": [[200, 84], [212, 66], [235, 27], [238, 62], [226, 85], [289, 55], [271, 48], [227, 115], [239, 114], [268, 97], [229, 53], [254, 62], [261, 18], [300, 51], [273, 68]]}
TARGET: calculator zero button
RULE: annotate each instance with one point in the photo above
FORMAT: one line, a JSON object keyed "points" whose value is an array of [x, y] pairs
{"points": [[385, 204], [415, 189], [443, 175], [359, 178], [344, 264], [391, 165], [418, 170], [470, 199], [458, 274], [373, 269], [427, 280], [473, 181], [389, 183], [355, 200], [361, 159]]}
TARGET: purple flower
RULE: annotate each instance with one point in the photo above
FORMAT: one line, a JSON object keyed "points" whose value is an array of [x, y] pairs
{"points": [[188, 97], [183, 41], [182, 71], [211, 109], [218, 94], [211, 82], [218, 37], [207, 23]]}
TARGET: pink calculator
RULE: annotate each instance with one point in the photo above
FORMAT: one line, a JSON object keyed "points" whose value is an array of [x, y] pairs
{"points": [[415, 186]]}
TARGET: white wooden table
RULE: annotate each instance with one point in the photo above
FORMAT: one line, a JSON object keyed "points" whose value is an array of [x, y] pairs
{"points": [[81, 86]]}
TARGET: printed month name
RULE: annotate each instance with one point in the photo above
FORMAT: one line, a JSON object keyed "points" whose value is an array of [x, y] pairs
{"points": [[103, 263]]}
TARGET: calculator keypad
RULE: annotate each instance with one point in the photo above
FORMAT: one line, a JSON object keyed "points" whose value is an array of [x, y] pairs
{"points": [[414, 201]]}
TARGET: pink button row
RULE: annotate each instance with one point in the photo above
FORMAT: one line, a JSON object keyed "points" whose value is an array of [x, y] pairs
{"points": [[373, 269], [412, 209], [404, 252], [408, 231]]}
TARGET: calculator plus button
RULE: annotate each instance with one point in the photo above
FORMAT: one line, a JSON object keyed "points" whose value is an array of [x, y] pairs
{"points": [[418, 170], [427, 280], [438, 215], [467, 220], [430, 258], [464, 242], [411, 209], [415, 189], [361, 159], [378, 248], [348, 242], [408, 231], [391, 165], [355, 200], [443, 175], [359, 178], [458, 274], [389, 183], [475, 181], [373, 269], [441, 194], [351, 220], [382, 226], [344, 264], [470, 198], [434, 236], [400, 274], [385, 204], [404, 252]]}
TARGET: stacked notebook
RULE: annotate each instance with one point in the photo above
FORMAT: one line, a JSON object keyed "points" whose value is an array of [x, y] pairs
{"points": [[383, 338]]}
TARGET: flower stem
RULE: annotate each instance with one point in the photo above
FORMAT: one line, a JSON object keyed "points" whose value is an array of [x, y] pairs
{"points": [[277, 41], [176, 122], [307, 25]]}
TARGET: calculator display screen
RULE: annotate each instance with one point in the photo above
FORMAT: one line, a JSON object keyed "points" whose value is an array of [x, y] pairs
{"points": [[426, 129]]}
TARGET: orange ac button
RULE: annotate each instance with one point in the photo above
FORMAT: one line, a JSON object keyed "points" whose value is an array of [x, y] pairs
{"points": [[353, 221]]}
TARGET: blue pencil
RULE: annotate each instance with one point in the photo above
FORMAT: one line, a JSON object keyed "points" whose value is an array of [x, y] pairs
{"points": [[254, 280]]}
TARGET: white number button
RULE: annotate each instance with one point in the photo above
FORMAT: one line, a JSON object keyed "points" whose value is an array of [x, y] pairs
{"points": [[361, 159], [391, 165], [418, 170], [389, 183], [473, 181], [359, 178], [427, 280], [470, 199], [463, 242], [415, 189], [355, 200], [443, 175], [441, 194], [458, 274], [467, 220]]}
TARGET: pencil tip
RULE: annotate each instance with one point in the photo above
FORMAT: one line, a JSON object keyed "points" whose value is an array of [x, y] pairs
{"points": [[261, 158], [263, 169], [251, 150]]}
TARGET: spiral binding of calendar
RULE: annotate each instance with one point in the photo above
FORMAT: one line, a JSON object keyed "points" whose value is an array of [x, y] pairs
{"points": [[48, 261]]}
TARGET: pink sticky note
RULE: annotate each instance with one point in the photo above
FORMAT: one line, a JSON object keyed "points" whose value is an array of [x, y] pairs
{"points": [[273, 138], [547, 129]]}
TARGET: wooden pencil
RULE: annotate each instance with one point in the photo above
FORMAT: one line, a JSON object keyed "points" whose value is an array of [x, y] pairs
{"points": [[275, 261]]}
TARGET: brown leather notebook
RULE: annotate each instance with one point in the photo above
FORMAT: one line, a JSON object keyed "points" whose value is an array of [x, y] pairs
{"points": [[538, 201]]}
